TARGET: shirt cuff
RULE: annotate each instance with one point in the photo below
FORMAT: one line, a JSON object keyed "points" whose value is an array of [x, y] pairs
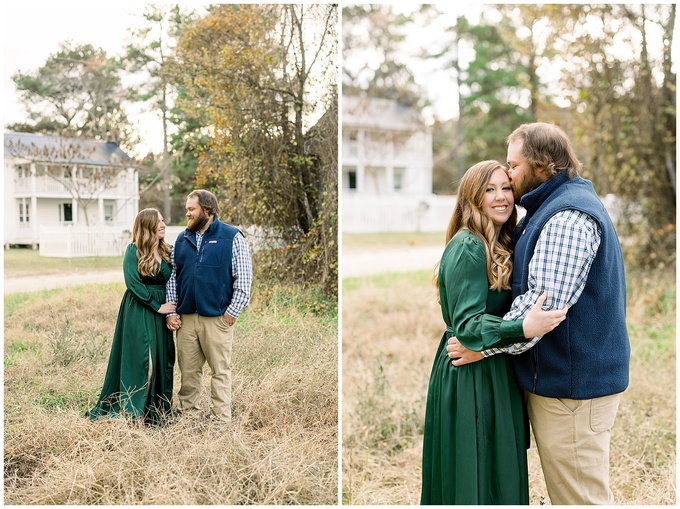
{"points": [[233, 312]]}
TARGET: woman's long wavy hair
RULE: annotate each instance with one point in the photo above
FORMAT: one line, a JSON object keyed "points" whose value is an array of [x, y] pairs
{"points": [[147, 242], [468, 214]]}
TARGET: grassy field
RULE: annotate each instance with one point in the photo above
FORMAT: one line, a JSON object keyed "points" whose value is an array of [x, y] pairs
{"points": [[396, 239], [282, 446], [28, 262], [391, 326]]}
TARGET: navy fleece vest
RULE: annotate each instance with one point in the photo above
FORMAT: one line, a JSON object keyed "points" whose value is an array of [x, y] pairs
{"points": [[587, 355], [205, 282]]}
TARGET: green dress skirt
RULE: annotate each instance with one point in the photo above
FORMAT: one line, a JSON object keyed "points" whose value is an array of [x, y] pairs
{"points": [[140, 337], [476, 428]]}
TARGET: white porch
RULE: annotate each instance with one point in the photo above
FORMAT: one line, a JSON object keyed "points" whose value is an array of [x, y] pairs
{"points": [[74, 240], [396, 213]]}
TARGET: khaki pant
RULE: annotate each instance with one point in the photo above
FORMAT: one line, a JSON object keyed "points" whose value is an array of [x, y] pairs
{"points": [[572, 437], [201, 339]]}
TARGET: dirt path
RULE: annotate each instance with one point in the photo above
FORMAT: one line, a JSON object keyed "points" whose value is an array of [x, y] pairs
{"points": [[50, 281]]}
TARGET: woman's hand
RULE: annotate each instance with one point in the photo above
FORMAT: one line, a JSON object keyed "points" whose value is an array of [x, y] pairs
{"points": [[173, 322], [168, 307], [460, 354], [537, 322]]}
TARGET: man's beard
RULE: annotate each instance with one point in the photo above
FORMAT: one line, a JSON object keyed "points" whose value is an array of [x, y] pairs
{"points": [[195, 225], [529, 183]]}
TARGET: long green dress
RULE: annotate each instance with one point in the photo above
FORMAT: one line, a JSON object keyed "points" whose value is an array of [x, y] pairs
{"points": [[140, 335], [476, 429]]}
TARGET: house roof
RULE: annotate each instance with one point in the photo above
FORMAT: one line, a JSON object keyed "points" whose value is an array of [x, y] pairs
{"points": [[57, 149], [379, 113]]}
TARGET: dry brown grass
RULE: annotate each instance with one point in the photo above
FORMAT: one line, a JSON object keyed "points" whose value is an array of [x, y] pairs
{"points": [[391, 326], [280, 449]]}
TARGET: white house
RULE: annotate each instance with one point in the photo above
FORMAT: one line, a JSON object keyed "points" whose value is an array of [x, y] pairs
{"points": [[58, 188], [387, 169]]}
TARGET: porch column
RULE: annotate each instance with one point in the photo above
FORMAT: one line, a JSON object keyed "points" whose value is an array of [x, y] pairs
{"points": [[74, 185], [134, 191], [361, 158], [33, 217], [34, 180], [100, 203], [361, 178], [389, 177], [33, 213]]}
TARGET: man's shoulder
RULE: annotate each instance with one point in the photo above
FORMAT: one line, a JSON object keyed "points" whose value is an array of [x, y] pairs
{"points": [[226, 228], [572, 217]]}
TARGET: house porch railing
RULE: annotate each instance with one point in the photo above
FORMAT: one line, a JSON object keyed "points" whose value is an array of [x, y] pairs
{"points": [[73, 241]]}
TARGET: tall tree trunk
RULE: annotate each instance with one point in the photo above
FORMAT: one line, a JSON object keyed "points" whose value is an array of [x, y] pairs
{"points": [[165, 169], [669, 100]]}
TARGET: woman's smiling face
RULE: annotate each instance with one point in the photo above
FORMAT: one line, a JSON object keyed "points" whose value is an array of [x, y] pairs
{"points": [[498, 199]]}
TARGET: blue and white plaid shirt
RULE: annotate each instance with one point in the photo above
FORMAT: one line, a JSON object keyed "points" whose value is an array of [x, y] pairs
{"points": [[564, 253], [243, 275]]}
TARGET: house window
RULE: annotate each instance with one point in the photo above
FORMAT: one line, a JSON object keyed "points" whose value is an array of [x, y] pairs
{"points": [[398, 179], [108, 212], [351, 148], [352, 180], [349, 178], [66, 212], [24, 212], [23, 171]]}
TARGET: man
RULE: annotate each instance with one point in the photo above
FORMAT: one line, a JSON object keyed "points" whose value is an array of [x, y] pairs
{"points": [[210, 282], [573, 377]]}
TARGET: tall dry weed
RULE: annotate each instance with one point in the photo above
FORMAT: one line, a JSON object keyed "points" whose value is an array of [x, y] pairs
{"points": [[391, 326], [281, 447]]}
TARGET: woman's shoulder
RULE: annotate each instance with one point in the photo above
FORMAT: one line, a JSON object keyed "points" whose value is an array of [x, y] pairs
{"points": [[465, 244], [465, 239]]}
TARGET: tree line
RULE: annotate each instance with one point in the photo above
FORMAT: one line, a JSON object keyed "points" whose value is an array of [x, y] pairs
{"points": [[603, 72]]}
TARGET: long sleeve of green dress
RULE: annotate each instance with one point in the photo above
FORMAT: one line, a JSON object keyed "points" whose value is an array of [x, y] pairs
{"points": [[464, 291]]}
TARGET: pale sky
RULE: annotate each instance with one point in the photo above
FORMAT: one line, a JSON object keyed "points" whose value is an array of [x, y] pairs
{"points": [[440, 84], [31, 31]]}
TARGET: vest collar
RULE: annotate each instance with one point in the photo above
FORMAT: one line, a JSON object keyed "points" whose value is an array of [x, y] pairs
{"points": [[534, 199], [212, 227]]}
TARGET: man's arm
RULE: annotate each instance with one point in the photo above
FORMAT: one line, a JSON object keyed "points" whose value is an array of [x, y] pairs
{"points": [[172, 320], [242, 268], [560, 265]]}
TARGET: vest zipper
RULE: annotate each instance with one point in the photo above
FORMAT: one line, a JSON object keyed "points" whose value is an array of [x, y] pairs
{"points": [[535, 354]]}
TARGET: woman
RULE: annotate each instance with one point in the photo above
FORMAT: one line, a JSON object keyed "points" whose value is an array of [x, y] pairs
{"points": [[476, 432], [138, 382]]}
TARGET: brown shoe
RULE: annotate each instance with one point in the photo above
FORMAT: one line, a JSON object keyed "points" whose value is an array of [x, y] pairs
{"points": [[212, 418], [191, 413]]}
